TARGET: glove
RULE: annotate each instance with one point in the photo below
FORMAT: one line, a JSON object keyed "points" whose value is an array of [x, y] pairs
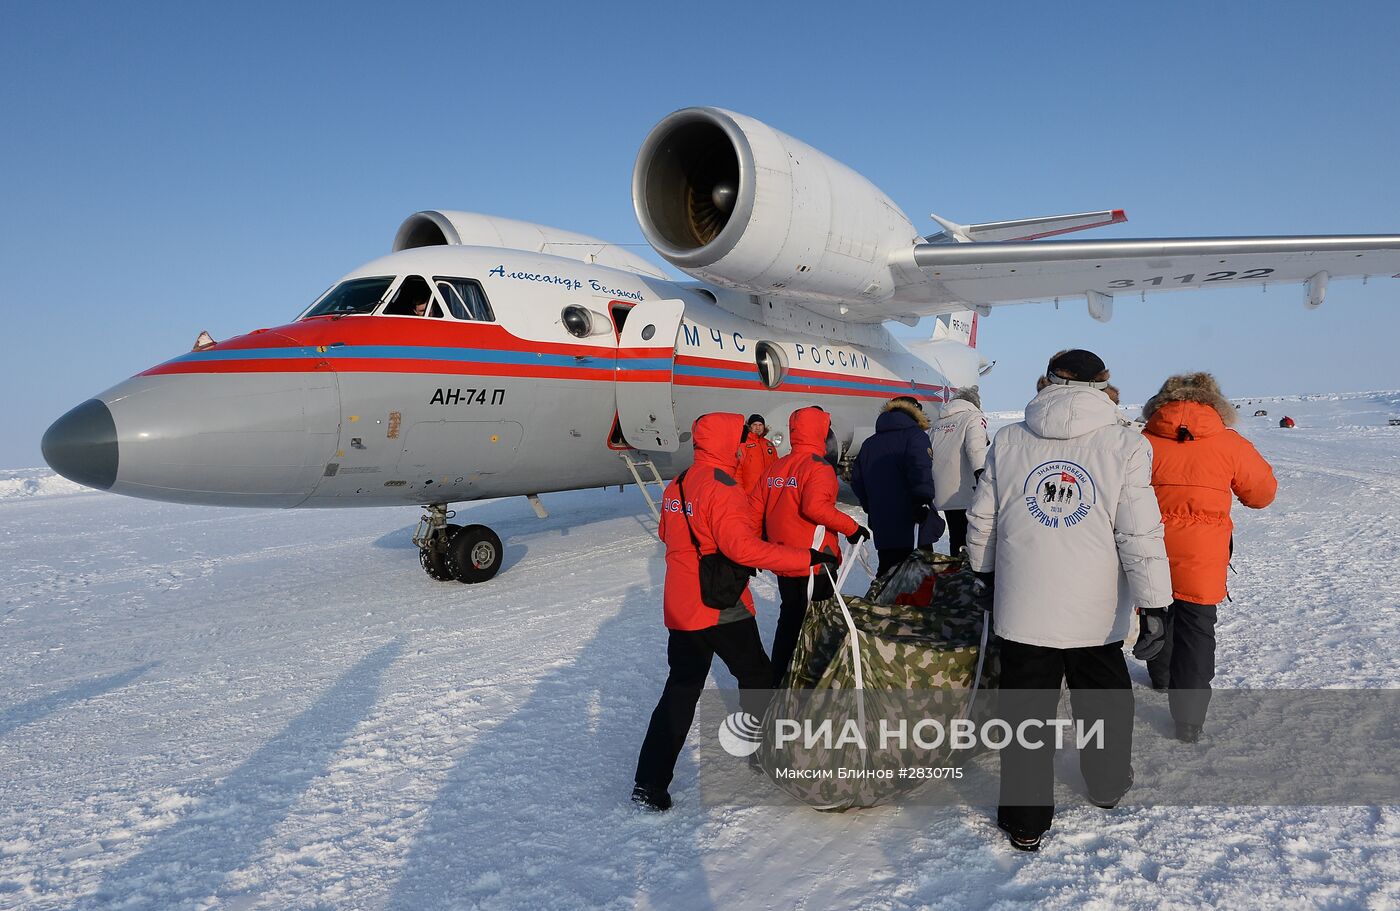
{"points": [[1152, 633], [985, 583], [820, 557], [859, 535], [920, 513]]}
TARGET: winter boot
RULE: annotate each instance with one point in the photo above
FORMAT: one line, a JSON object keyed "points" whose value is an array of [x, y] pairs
{"points": [[1022, 842], [1188, 733], [1103, 804], [651, 798]]}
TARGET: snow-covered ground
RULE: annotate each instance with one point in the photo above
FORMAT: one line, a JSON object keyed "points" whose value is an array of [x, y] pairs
{"points": [[251, 709]]}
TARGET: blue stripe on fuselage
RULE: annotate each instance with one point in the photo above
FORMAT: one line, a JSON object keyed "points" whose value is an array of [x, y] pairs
{"points": [[428, 353]]}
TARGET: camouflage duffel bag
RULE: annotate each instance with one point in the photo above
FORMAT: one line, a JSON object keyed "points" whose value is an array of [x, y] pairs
{"points": [[908, 582], [914, 661]]}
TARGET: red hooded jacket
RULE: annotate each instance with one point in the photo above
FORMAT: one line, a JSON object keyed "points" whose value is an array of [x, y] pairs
{"points": [[722, 519], [756, 454], [798, 492]]}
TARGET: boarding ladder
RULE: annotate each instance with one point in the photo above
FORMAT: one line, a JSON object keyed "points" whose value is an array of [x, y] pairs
{"points": [[644, 471]]}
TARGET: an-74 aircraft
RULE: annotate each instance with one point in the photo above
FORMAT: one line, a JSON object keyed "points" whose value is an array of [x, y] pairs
{"points": [[487, 357]]}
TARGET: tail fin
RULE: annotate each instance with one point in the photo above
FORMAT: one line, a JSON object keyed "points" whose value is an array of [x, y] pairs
{"points": [[959, 327]]}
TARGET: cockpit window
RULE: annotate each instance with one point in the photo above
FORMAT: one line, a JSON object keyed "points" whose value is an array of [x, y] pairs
{"points": [[414, 298], [465, 299], [358, 295]]}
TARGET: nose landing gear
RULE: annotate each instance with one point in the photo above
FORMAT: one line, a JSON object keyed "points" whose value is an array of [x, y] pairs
{"points": [[470, 553]]}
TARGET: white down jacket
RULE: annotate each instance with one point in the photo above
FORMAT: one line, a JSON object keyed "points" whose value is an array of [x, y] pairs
{"points": [[1066, 517], [958, 444]]}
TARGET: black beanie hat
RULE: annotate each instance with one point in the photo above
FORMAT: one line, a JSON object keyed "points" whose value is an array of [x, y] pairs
{"points": [[1076, 366]]}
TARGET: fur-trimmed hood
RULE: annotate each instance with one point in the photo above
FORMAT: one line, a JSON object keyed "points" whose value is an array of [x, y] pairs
{"points": [[1200, 388], [969, 394], [914, 411]]}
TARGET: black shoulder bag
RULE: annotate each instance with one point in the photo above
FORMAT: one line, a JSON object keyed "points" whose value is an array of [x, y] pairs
{"points": [[722, 581]]}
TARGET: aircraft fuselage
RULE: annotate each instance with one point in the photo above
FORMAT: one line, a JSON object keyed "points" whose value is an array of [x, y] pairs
{"points": [[378, 410]]}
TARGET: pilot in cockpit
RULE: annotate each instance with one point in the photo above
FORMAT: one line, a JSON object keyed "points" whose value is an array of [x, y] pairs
{"points": [[412, 299]]}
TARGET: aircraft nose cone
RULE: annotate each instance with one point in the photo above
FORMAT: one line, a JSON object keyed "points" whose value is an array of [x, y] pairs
{"points": [[82, 445]]}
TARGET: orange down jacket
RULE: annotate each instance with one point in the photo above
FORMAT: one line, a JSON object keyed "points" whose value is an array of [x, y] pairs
{"points": [[1197, 463]]}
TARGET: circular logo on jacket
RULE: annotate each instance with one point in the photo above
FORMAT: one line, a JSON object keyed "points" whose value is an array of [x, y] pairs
{"points": [[1059, 494], [741, 734]]}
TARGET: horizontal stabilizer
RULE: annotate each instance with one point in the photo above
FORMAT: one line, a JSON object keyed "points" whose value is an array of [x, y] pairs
{"points": [[1026, 228]]}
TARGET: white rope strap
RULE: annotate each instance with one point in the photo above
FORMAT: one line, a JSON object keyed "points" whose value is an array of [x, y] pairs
{"points": [[981, 659], [817, 537], [853, 634]]}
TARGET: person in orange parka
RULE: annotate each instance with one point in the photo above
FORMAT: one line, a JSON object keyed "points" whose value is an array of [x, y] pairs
{"points": [[1197, 463], [718, 514], [756, 454], [795, 495]]}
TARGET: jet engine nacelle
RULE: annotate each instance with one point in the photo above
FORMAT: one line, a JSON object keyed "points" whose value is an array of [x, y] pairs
{"points": [[734, 202]]}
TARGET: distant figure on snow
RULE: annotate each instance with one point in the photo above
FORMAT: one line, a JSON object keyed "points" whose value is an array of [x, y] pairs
{"points": [[757, 454]]}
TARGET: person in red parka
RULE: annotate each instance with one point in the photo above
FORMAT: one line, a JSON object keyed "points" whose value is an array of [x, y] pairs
{"points": [[795, 495], [1198, 462], [718, 514], [756, 454]]}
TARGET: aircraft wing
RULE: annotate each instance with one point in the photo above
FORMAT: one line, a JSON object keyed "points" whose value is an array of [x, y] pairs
{"points": [[943, 277]]}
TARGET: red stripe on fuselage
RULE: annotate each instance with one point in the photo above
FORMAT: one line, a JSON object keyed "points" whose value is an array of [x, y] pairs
{"points": [[270, 365], [793, 388], [897, 386], [643, 376]]}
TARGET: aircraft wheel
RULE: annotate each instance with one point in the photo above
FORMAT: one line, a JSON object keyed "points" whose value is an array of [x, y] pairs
{"points": [[434, 556], [474, 554]]}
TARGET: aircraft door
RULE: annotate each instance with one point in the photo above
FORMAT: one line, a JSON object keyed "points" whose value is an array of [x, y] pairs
{"points": [[646, 360]]}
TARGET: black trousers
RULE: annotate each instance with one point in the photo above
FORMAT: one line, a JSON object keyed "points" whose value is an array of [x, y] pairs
{"points": [[1186, 664], [689, 654], [1100, 691], [957, 529], [792, 611], [890, 557]]}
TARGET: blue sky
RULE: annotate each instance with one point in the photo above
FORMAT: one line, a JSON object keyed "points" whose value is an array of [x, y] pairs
{"points": [[172, 167]]}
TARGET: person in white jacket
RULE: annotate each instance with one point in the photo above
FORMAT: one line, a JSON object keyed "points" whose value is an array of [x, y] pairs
{"points": [[1065, 527], [958, 445]]}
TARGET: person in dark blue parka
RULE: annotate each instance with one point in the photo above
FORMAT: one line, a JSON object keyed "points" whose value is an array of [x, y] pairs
{"points": [[893, 478]]}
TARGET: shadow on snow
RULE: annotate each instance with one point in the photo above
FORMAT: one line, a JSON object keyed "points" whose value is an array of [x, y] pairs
{"points": [[42, 706], [536, 812], [190, 859]]}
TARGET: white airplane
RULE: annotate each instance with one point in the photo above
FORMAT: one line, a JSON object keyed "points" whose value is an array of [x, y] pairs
{"points": [[487, 357]]}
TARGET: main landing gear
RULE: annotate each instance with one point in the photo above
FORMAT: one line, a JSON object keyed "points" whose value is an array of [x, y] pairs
{"points": [[467, 553]]}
